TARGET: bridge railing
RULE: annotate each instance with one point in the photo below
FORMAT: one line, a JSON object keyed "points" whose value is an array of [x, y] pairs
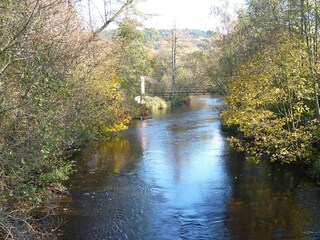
{"points": [[183, 91]]}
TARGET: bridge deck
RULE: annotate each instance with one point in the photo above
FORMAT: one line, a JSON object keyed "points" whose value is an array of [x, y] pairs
{"points": [[179, 93]]}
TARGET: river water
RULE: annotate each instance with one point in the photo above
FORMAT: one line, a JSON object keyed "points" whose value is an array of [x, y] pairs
{"points": [[175, 177]]}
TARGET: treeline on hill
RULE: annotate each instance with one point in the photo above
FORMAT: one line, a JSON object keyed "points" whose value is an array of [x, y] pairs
{"points": [[148, 52], [197, 33], [267, 65], [60, 85]]}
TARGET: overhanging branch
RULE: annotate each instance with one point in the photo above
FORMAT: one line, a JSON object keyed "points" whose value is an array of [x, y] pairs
{"points": [[113, 18]]}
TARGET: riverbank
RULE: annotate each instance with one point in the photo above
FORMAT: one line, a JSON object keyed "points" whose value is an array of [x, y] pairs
{"points": [[244, 144]]}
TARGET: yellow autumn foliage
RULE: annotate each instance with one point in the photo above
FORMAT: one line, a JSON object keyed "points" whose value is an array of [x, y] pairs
{"points": [[269, 101]]}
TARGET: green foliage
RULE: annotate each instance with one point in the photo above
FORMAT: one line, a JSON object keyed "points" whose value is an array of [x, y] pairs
{"points": [[155, 103], [57, 90], [134, 51], [317, 166]]}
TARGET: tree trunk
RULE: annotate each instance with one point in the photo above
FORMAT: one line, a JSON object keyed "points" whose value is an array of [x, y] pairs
{"points": [[174, 62]]}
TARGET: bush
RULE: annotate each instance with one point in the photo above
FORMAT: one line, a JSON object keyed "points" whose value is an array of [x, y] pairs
{"points": [[58, 89], [155, 103]]}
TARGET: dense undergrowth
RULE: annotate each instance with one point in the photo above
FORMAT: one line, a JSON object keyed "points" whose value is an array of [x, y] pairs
{"points": [[59, 87], [268, 69]]}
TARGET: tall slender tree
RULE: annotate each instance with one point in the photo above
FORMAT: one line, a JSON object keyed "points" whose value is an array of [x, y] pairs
{"points": [[174, 40]]}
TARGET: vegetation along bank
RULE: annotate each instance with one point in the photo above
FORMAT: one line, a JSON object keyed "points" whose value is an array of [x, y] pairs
{"points": [[268, 70], [64, 83]]}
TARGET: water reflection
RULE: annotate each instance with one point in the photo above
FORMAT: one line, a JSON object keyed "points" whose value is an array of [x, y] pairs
{"points": [[264, 203], [95, 166], [175, 177]]}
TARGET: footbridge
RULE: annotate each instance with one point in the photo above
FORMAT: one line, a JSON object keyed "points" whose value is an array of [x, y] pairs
{"points": [[182, 91]]}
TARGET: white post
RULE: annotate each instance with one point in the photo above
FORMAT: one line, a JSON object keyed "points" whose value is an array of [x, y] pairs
{"points": [[142, 87]]}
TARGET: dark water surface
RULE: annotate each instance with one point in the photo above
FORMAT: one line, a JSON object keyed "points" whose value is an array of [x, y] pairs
{"points": [[175, 177]]}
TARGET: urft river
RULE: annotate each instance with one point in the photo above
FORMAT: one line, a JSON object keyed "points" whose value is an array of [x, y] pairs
{"points": [[175, 177]]}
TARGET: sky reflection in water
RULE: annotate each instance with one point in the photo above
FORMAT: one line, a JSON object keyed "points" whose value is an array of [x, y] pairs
{"points": [[175, 177]]}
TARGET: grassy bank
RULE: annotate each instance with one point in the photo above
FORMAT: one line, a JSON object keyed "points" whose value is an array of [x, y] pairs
{"points": [[151, 104]]}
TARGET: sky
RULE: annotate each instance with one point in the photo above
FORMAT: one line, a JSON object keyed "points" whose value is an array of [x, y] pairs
{"points": [[191, 14]]}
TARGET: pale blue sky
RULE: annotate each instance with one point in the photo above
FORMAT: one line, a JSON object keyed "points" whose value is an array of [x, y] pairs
{"points": [[185, 13]]}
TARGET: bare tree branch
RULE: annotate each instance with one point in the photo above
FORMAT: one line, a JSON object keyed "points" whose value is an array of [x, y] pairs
{"points": [[113, 18], [21, 30]]}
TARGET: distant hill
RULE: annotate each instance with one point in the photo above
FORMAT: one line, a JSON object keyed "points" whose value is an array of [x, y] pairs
{"points": [[192, 32], [191, 38]]}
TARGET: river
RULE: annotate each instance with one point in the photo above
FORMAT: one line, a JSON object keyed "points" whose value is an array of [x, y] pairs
{"points": [[174, 176]]}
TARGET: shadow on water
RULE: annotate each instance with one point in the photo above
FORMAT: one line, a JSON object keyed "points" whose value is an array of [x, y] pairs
{"points": [[175, 177], [266, 204]]}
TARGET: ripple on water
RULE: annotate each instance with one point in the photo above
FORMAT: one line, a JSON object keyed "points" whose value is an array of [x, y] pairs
{"points": [[174, 177]]}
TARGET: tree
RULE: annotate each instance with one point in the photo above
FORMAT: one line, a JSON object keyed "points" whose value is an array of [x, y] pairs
{"points": [[107, 16], [178, 63], [269, 104], [57, 91], [134, 53], [267, 68], [309, 27], [174, 61]]}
